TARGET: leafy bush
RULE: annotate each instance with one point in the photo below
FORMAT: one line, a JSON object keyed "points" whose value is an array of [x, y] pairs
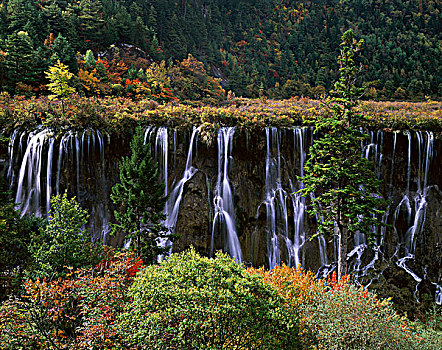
{"points": [[63, 242], [192, 302], [77, 312], [345, 316], [298, 288], [119, 115], [340, 315], [15, 236]]}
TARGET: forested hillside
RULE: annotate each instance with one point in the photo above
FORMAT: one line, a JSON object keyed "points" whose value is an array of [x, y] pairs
{"points": [[282, 48]]}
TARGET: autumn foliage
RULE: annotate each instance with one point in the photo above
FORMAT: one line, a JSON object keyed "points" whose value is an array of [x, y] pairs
{"points": [[111, 304], [337, 314], [78, 311]]}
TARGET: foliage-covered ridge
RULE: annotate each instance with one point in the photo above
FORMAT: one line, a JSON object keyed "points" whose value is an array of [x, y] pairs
{"points": [[119, 114]]}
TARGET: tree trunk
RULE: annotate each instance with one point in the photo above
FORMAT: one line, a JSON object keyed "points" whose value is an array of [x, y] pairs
{"points": [[342, 252]]}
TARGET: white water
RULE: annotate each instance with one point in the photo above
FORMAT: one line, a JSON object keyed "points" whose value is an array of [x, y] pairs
{"points": [[277, 198], [43, 153], [176, 195], [29, 188], [159, 139], [44, 162], [224, 211], [425, 147]]}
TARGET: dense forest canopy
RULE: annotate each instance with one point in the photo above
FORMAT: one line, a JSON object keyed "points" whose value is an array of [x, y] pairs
{"points": [[281, 47]]}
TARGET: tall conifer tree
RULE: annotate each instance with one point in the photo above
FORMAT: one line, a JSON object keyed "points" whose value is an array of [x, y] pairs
{"points": [[140, 201], [20, 59], [347, 198]]}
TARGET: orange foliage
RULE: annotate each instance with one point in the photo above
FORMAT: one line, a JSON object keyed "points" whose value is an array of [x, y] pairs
{"points": [[295, 285], [91, 83], [49, 40]]}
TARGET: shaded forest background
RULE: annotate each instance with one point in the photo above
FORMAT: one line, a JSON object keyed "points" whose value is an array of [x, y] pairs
{"points": [[280, 48]]}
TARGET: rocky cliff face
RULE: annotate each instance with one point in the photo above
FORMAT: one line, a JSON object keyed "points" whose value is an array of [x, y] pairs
{"points": [[237, 194]]}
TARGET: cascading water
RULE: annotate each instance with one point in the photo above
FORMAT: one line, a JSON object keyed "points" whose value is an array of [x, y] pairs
{"points": [[276, 198], [298, 202], [224, 211], [425, 148], [176, 195], [30, 198], [414, 217], [10, 174], [43, 152], [42, 164], [371, 151], [159, 139]]}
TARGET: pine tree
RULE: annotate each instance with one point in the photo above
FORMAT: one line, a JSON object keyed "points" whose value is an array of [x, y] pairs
{"points": [[20, 60], [346, 190], [63, 51], [89, 59], [19, 13], [53, 16], [140, 200], [153, 23], [92, 22]]}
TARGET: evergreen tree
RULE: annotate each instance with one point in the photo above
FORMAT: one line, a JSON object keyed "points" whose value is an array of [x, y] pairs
{"points": [[63, 51], [124, 25], [176, 42], [3, 22], [73, 27], [53, 17], [20, 59], [19, 13], [140, 34], [89, 59], [346, 190], [92, 23], [152, 22], [140, 200]]}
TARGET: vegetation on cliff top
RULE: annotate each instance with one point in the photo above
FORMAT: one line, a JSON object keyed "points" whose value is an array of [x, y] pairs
{"points": [[119, 114]]}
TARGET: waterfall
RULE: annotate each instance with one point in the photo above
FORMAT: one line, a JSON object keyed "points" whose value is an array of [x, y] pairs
{"points": [[413, 205], [176, 195], [43, 164], [438, 294], [298, 202], [159, 141], [224, 211], [42, 154], [274, 195], [371, 151], [160, 144], [425, 154], [49, 175], [277, 200], [30, 198], [10, 174]]}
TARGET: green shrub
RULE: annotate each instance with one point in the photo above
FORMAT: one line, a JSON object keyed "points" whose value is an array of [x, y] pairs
{"points": [[192, 302], [62, 242], [345, 316], [15, 236]]}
